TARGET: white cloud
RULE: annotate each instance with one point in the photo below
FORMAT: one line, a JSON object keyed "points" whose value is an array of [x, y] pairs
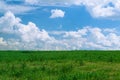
{"points": [[76, 34], [57, 13], [31, 32], [97, 8], [89, 38], [2, 42], [112, 30], [103, 8], [15, 35], [109, 9]]}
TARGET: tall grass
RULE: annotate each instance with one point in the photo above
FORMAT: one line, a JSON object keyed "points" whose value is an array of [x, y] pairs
{"points": [[59, 65]]}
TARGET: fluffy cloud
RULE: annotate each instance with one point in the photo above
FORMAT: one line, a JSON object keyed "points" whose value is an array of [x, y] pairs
{"points": [[56, 13], [13, 32], [97, 8], [103, 9], [17, 36], [89, 38]]}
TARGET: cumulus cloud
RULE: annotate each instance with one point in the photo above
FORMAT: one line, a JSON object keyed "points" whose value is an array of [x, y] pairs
{"points": [[57, 13], [90, 38], [17, 36], [13, 32], [103, 9]]}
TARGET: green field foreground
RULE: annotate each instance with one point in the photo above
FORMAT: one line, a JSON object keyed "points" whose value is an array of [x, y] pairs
{"points": [[59, 65]]}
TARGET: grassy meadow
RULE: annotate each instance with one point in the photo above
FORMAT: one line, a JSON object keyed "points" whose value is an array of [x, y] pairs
{"points": [[59, 65]]}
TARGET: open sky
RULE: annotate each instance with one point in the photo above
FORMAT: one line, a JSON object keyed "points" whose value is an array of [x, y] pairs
{"points": [[59, 24]]}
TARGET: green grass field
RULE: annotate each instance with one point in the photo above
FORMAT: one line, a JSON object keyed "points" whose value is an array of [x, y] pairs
{"points": [[59, 65]]}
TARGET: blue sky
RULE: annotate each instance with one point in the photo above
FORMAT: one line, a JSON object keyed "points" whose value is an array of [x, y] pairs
{"points": [[75, 17], [59, 24]]}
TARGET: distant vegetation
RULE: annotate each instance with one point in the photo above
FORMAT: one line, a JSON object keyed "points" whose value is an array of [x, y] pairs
{"points": [[59, 65]]}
